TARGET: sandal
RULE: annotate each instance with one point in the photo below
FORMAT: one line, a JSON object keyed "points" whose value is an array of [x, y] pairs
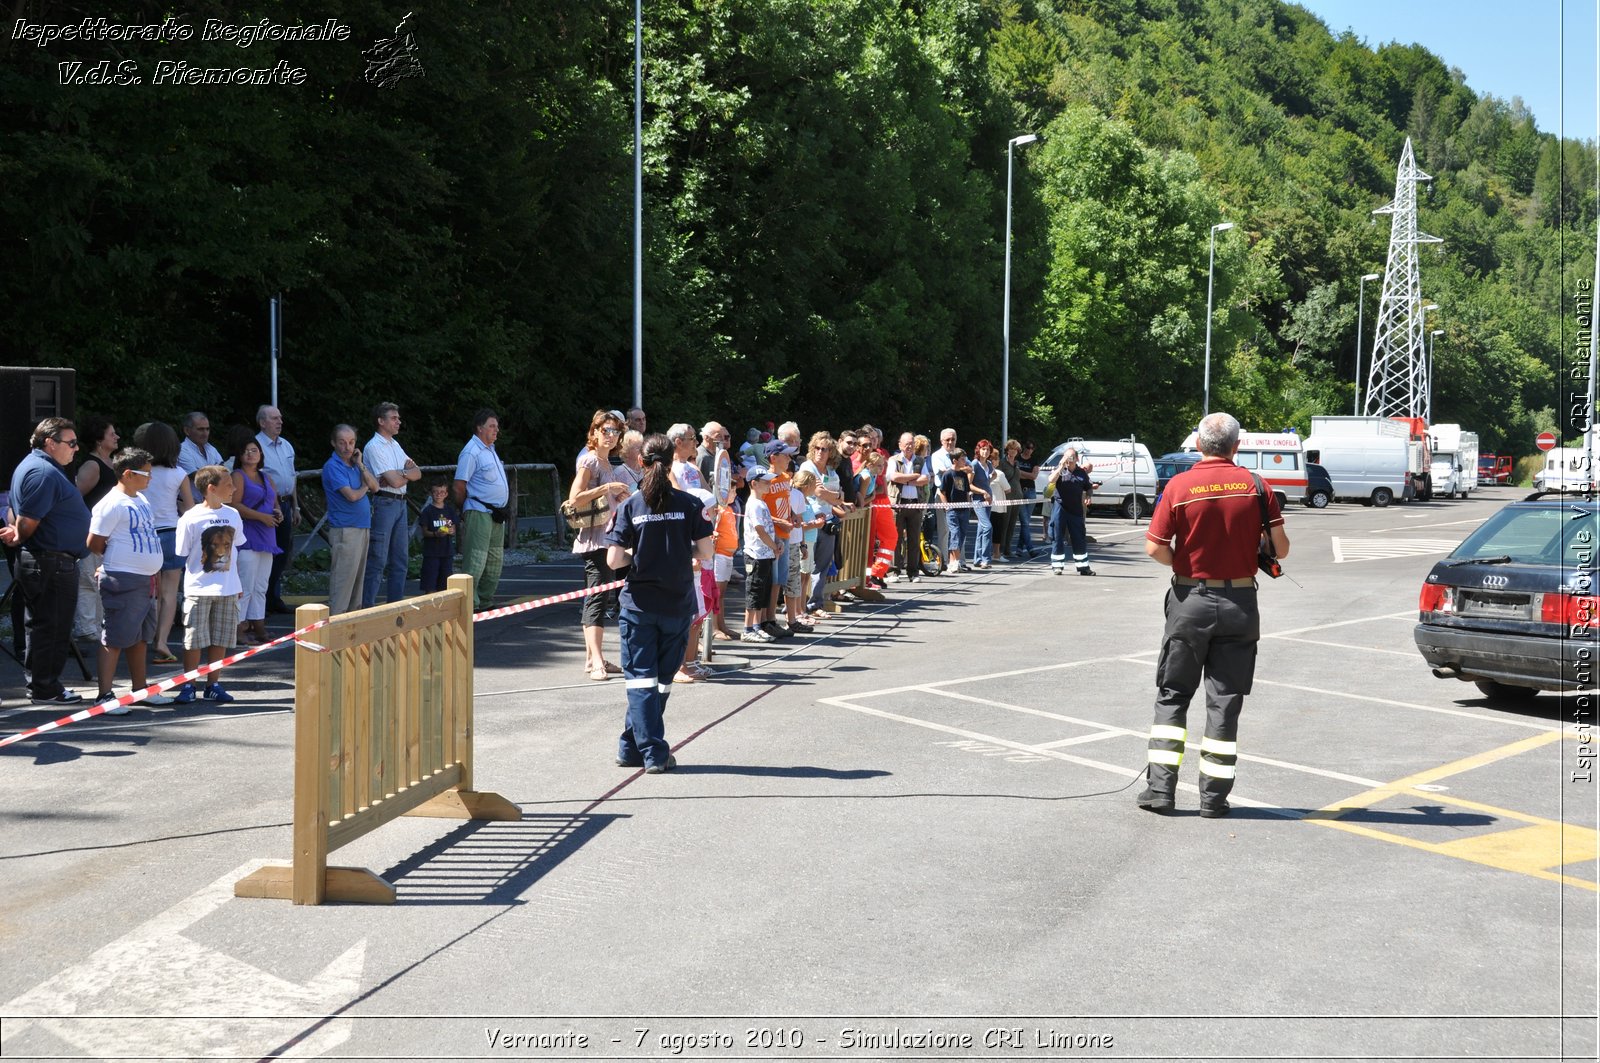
{"points": [[685, 677], [163, 657], [613, 669], [599, 675]]}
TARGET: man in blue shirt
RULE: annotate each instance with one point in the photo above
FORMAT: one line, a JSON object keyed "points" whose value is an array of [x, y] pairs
{"points": [[481, 489], [50, 524], [346, 483]]}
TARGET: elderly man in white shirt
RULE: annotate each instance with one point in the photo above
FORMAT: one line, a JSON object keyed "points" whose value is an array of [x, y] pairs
{"points": [[277, 461], [939, 464], [388, 546], [196, 449]]}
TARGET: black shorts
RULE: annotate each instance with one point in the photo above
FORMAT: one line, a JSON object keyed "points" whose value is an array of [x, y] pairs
{"points": [[758, 589]]}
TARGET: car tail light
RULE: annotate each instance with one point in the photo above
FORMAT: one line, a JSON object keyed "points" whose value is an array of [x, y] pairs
{"points": [[1437, 598], [1570, 610]]}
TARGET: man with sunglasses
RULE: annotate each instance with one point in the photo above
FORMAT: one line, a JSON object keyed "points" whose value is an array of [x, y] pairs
{"points": [[49, 523]]}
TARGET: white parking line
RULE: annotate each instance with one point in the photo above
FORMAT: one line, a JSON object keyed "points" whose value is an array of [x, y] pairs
{"points": [[1409, 614], [1343, 646], [1113, 729], [1098, 765], [1528, 724]]}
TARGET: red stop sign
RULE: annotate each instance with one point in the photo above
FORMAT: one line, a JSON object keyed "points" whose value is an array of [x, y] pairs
{"points": [[1545, 441]]}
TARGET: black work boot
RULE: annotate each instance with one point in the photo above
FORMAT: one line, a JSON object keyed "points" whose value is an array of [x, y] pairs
{"points": [[1151, 801]]}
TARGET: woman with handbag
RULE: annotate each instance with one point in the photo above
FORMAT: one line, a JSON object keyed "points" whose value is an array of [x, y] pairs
{"points": [[597, 489]]}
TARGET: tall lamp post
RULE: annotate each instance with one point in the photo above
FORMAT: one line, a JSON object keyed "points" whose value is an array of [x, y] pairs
{"points": [[1428, 410], [1422, 398], [638, 203], [1361, 308], [1211, 272], [1005, 320]]}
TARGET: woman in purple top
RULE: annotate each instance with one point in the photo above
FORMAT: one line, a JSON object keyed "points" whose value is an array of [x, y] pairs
{"points": [[257, 503]]}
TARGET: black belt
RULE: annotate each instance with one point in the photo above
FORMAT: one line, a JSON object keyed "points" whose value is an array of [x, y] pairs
{"points": [[59, 555], [390, 496], [1231, 584]]}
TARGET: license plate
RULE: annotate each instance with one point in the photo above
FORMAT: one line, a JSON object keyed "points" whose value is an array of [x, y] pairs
{"points": [[1500, 606]]}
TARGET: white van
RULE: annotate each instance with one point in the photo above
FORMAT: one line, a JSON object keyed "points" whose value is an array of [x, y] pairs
{"points": [[1367, 458], [1565, 469], [1124, 472], [1278, 457]]}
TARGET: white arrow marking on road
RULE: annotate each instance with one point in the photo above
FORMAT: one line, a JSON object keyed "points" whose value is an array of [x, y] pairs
{"points": [[156, 970]]}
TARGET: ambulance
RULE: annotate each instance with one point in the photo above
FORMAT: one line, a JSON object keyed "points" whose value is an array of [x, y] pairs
{"points": [[1279, 458]]}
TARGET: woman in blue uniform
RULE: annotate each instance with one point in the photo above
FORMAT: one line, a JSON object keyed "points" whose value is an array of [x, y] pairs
{"points": [[1072, 502], [658, 531]]}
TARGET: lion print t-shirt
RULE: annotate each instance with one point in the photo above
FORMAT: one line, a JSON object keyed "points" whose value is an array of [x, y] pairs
{"points": [[208, 539]]}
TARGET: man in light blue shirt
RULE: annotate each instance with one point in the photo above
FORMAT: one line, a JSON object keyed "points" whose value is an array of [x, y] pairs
{"points": [[277, 460], [388, 549], [480, 487]]}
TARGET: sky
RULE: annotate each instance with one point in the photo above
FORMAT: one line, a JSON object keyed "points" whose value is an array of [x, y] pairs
{"points": [[1507, 50]]}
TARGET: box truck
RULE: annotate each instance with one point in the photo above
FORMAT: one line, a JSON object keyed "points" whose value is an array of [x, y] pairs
{"points": [[1455, 460]]}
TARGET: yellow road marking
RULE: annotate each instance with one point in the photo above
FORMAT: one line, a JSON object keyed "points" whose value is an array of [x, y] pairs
{"points": [[1532, 850]]}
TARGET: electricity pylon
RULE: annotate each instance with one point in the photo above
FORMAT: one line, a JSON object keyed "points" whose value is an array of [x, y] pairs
{"points": [[1398, 382]]}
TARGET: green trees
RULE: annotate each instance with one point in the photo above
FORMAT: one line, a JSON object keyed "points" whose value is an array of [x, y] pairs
{"points": [[824, 188]]}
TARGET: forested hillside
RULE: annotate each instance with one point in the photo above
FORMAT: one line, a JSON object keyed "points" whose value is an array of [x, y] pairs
{"points": [[824, 229]]}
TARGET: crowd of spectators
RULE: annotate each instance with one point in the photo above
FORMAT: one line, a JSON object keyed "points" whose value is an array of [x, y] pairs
{"points": [[774, 502], [114, 543]]}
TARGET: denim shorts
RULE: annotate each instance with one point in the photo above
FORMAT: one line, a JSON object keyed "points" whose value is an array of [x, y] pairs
{"points": [[170, 558]]}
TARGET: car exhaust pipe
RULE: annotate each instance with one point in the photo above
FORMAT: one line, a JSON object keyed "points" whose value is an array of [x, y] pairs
{"points": [[1449, 671]]}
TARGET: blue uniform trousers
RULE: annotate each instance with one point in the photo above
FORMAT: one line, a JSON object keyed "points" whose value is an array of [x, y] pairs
{"points": [[652, 651]]}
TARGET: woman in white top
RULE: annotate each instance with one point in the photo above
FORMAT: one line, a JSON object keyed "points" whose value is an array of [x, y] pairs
{"points": [[169, 496], [596, 479]]}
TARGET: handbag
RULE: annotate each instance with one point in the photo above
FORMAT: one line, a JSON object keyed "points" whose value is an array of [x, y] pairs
{"points": [[594, 515]]}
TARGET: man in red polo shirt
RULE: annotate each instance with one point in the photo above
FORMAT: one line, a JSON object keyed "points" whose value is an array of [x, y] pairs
{"points": [[1207, 527]]}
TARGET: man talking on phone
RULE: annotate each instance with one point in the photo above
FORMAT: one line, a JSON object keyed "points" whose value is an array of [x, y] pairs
{"points": [[1208, 529]]}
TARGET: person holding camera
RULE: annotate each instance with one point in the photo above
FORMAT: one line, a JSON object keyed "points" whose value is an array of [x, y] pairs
{"points": [[1073, 491], [598, 482], [483, 494], [1208, 527]]}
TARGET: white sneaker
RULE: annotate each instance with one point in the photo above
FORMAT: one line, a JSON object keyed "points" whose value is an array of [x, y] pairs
{"points": [[158, 699], [117, 710]]}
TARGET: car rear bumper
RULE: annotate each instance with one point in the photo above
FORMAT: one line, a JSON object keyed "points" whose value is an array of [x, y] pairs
{"points": [[1521, 660]]}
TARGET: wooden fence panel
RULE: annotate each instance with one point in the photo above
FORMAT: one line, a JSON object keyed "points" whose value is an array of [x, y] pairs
{"points": [[383, 728]]}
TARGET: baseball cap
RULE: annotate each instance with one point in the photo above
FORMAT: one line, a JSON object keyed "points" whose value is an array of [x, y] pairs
{"points": [[757, 475], [778, 446]]}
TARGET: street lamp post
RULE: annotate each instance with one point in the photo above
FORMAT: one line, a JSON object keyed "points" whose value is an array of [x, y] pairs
{"points": [[638, 203], [1361, 307], [1422, 397], [1428, 410], [1211, 270], [1005, 322]]}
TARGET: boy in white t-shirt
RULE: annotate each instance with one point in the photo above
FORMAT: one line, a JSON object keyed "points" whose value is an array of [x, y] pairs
{"points": [[122, 529], [759, 549], [208, 538]]}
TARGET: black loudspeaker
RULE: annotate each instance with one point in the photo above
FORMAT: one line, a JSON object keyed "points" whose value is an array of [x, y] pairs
{"points": [[29, 394]]}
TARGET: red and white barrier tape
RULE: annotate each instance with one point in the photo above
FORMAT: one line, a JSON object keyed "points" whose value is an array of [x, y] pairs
{"points": [[142, 693], [522, 607], [1003, 503], [136, 696]]}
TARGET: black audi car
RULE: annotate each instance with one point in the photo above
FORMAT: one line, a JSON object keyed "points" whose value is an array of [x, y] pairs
{"points": [[1513, 608]]}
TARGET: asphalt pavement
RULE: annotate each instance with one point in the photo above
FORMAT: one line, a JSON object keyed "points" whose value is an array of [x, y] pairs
{"points": [[911, 835]]}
